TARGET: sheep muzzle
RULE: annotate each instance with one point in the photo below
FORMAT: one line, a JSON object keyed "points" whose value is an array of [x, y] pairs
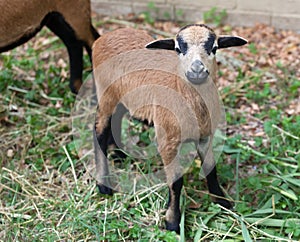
{"points": [[198, 73]]}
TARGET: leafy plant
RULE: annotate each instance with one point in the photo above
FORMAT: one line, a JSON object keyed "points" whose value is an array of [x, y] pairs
{"points": [[149, 15], [215, 16], [153, 12], [48, 191], [252, 48]]}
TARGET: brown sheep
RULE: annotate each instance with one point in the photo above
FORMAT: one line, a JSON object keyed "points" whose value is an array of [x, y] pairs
{"points": [[69, 20], [174, 91]]}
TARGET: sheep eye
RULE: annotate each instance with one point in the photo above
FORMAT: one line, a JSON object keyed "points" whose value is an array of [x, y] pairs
{"points": [[182, 45], [178, 50], [214, 50]]}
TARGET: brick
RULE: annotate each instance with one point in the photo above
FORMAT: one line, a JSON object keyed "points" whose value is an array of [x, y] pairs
{"points": [[222, 4], [111, 8], [161, 11], [281, 14], [258, 5], [188, 14], [286, 7], [289, 21], [192, 3], [226, 4], [132, 1], [243, 18], [148, 1]]}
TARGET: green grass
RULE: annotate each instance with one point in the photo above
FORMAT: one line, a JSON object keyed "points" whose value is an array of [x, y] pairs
{"points": [[48, 192]]}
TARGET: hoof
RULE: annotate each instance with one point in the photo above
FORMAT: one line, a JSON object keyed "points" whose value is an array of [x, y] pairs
{"points": [[118, 155], [173, 227], [104, 189], [224, 203]]}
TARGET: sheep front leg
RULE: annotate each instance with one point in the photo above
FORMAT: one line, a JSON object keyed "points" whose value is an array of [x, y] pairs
{"points": [[209, 167], [173, 214], [100, 137], [168, 151]]}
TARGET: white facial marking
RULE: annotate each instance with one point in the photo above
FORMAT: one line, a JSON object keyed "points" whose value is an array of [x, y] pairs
{"points": [[196, 46]]}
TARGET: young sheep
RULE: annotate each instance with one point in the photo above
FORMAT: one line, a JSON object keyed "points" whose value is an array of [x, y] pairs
{"points": [[142, 84], [70, 20]]}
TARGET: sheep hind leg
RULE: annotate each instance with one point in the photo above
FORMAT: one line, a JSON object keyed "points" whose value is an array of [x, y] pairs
{"points": [[100, 139], [209, 167], [87, 46], [114, 138], [58, 25]]}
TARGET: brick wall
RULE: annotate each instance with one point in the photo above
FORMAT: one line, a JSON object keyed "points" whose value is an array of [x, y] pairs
{"points": [[284, 14]]}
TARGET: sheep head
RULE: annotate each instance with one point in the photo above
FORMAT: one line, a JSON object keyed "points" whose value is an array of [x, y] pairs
{"points": [[196, 46]]}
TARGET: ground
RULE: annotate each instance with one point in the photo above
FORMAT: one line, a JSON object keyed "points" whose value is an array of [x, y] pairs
{"points": [[47, 189]]}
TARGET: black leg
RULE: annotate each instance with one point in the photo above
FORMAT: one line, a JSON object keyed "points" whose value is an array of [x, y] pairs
{"points": [[204, 149], [214, 188], [57, 24], [88, 48], [173, 213], [102, 171], [114, 137]]}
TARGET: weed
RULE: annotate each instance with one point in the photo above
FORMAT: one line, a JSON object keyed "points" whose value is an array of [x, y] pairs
{"points": [[215, 16], [149, 15], [48, 192], [179, 13], [252, 48]]}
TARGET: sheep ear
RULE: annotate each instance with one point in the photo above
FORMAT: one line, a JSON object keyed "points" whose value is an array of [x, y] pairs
{"points": [[166, 44], [229, 41]]}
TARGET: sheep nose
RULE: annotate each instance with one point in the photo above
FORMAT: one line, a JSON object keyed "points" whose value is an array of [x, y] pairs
{"points": [[197, 66], [198, 73]]}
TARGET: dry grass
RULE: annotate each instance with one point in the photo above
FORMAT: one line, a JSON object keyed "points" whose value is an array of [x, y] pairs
{"points": [[47, 189]]}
